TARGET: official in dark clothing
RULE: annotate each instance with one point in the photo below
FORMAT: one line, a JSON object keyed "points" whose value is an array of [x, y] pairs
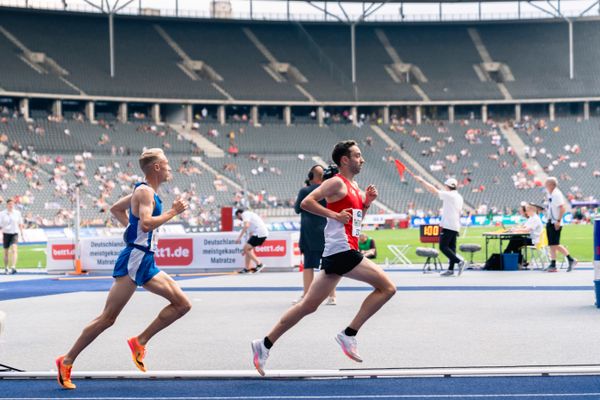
{"points": [[312, 237]]}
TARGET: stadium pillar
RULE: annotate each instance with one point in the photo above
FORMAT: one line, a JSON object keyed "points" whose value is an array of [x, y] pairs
{"points": [[571, 58], [57, 108], [287, 115], [517, 112], [386, 115], [484, 113], [221, 115], [418, 116], [189, 114], [156, 113], [552, 111], [320, 115], [122, 112], [254, 116], [111, 44], [90, 111], [586, 110], [24, 108], [451, 114], [354, 113]]}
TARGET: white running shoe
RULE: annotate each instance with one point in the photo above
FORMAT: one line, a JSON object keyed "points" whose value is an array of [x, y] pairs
{"points": [[260, 355], [331, 301], [461, 267], [349, 346]]}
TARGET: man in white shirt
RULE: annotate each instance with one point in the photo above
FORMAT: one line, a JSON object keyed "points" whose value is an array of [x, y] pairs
{"points": [[254, 225], [11, 223], [557, 206], [532, 226], [452, 204]]}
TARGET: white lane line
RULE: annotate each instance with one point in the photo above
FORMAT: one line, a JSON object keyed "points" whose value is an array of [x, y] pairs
{"points": [[366, 396]]}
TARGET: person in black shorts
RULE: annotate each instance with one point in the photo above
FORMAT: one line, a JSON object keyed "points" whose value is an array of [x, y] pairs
{"points": [[346, 206], [257, 229], [555, 212], [11, 223], [312, 237]]}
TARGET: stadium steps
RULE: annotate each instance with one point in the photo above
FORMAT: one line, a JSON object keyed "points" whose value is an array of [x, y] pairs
{"points": [[414, 165], [209, 148], [216, 174], [272, 68], [48, 65], [391, 51], [519, 146], [487, 58]]}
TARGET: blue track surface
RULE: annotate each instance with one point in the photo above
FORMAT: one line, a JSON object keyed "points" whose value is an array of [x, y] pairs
{"points": [[571, 387]]}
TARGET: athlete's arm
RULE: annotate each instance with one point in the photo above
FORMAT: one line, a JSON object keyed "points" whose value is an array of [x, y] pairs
{"points": [[370, 195], [299, 199], [145, 198], [561, 213], [328, 189], [245, 227], [119, 209], [428, 186]]}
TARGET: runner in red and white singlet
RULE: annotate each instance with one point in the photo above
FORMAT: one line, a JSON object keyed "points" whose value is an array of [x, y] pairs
{"points": [[346, 205]]}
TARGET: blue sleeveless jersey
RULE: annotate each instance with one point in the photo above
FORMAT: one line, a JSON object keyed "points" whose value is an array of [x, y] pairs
{"points": [[133, 234], [137, 259]]}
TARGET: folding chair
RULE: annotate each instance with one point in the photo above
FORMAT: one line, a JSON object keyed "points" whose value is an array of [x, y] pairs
{"points": [[399, 253], [538, 254]]}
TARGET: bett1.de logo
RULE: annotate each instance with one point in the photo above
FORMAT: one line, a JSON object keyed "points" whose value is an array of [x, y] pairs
{"points": [[63, 251], [272, 248], [171, 252]]}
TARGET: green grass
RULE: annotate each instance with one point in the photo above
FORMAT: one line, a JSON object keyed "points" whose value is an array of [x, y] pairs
{"points": [[31, 255], [578, 238]]}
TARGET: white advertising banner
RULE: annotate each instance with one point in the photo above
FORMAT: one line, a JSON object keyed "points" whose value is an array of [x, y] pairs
{"points": [[191, 252]]}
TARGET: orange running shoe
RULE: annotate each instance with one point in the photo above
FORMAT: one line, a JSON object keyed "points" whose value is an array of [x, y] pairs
{"points": [[138, 352], [64, 374]]}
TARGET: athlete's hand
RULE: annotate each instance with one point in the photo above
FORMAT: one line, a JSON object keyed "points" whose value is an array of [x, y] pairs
{"points": [[557, 225], [238, 241], [179, 206], [371, 194], [345, 216]]}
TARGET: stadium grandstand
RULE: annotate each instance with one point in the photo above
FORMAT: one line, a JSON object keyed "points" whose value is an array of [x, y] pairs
{"points": [[245, 107]]}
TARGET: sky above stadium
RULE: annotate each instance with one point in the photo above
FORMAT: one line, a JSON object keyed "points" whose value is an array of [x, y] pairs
{"points": [[265, 9]]}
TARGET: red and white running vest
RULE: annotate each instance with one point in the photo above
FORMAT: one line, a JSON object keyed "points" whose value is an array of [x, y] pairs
{"points": [[340, 237]]}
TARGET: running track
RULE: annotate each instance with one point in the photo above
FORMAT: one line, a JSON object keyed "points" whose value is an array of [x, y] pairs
{"points": [[555, 387]]}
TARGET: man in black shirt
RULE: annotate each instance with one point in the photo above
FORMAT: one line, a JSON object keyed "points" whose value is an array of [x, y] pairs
{"points": [[312, 238]]}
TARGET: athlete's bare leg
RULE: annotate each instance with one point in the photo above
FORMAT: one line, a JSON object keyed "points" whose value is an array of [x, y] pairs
{"points": [[384, 289], [5, 258], [13, 254], [308, 276], [560, 248], [250, 256], [120, 293], [317, 293], [165, 286]]}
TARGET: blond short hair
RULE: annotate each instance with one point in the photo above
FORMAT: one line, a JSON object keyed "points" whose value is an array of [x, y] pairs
{"points": [[552, 180], [150, 157]]}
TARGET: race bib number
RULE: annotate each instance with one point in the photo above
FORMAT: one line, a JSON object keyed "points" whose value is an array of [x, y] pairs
{"points": [[154, 241], [357, 217]]}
